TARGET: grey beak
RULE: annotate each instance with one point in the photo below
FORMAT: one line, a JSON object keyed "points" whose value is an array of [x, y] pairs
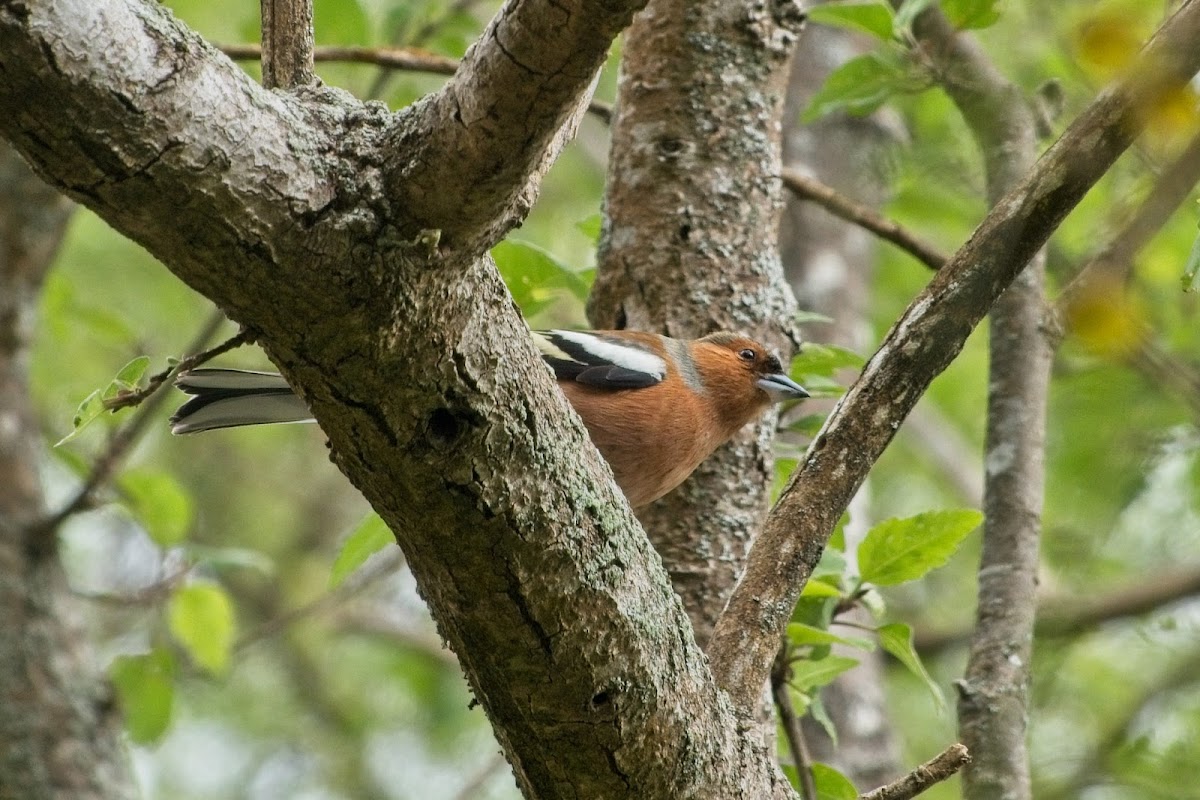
{"points": [[781, 387]]}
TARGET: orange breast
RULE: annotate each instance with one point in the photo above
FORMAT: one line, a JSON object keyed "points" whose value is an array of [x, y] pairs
{"points": [[652, 438]]}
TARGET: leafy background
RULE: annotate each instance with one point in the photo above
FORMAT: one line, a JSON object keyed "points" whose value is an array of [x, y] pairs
{"points": [[254, 661]]}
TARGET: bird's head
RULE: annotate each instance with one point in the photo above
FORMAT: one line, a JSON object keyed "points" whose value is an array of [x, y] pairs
{"points": [[743, 375]]}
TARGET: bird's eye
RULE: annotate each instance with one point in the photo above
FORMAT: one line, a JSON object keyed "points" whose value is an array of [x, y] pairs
{"points": [[747, 355]]}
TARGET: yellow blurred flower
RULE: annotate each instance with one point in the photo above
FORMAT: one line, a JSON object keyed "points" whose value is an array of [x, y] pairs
{"points": [[1107, 318]]}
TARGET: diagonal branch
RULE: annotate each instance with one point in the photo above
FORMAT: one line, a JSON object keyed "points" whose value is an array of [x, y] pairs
{"points": [[517, 88], [921, 344], [806, 187]]}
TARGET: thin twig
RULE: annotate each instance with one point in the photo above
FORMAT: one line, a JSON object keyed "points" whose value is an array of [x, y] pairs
{"points": [[936, 770], [409, 59], [40, 538], [806, 187], [145, 596], [1069, 616], [404, 58], [1174, 185], [417, 40], [791, 724], [135, 398], [356, 584], [473, 787]]}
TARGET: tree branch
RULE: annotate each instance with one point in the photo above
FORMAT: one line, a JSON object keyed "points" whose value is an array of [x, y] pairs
{"points": [[809, 188], [1071, 616], [921, 344], [935, 770], [403, 58], [42, 535], [287, 46], [520, 86]]}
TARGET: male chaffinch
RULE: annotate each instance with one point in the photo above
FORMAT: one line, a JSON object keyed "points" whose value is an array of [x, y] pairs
{"points": [[655, 407]]}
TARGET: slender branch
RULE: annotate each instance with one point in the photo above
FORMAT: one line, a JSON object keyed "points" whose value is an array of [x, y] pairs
{"points": [[920, 345], [418, 39], [512, 104], [287, 50], [135, 398], [326, 602], [399, 634], [790, 722], [935, 770], [404, 58], [40, 536], [1174, 185], [1071, 616], [807, 187], [472, 788]]}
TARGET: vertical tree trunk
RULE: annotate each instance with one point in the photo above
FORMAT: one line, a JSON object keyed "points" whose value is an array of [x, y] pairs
{"points": [[689, 244], [59, 739], [993, 704]]}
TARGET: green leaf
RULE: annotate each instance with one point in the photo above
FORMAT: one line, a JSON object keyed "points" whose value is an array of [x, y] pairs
{"points": [[130, 375], [159, 503], [590, 227], [815, 587], [93, 405], [91, 408], [1192, 268], [368, 538], [808, 425], [874, 18], [200, 616], [145, 692], [803, 634], [809, 674], [971, 14], [831, 784], [821, 716], [899, 550], [859, 86], [534, 276], [824, 359], [232, 558], [896, 639]]}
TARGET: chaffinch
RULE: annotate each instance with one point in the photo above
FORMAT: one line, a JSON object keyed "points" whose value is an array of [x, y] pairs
{"points": [[655, 407]]}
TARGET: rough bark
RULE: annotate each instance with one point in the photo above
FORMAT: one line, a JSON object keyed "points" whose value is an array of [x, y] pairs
{"points": [[827, 261], [993, 696], [925, 339], [59, 739], [350, 240], [689, 245]]}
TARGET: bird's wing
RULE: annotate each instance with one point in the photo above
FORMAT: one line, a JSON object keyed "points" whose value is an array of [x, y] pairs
{"points": [[606, 361]]}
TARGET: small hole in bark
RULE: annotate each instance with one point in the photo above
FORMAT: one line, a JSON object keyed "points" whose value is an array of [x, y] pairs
{"points": [[685, 232], [600, 699], [443, 424], [670, 147]]}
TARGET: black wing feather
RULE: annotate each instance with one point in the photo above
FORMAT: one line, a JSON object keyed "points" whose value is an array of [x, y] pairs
{"points": [[586, 367]]}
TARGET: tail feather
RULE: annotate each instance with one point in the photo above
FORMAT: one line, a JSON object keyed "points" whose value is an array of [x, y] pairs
{"points": [[228, 398]]}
